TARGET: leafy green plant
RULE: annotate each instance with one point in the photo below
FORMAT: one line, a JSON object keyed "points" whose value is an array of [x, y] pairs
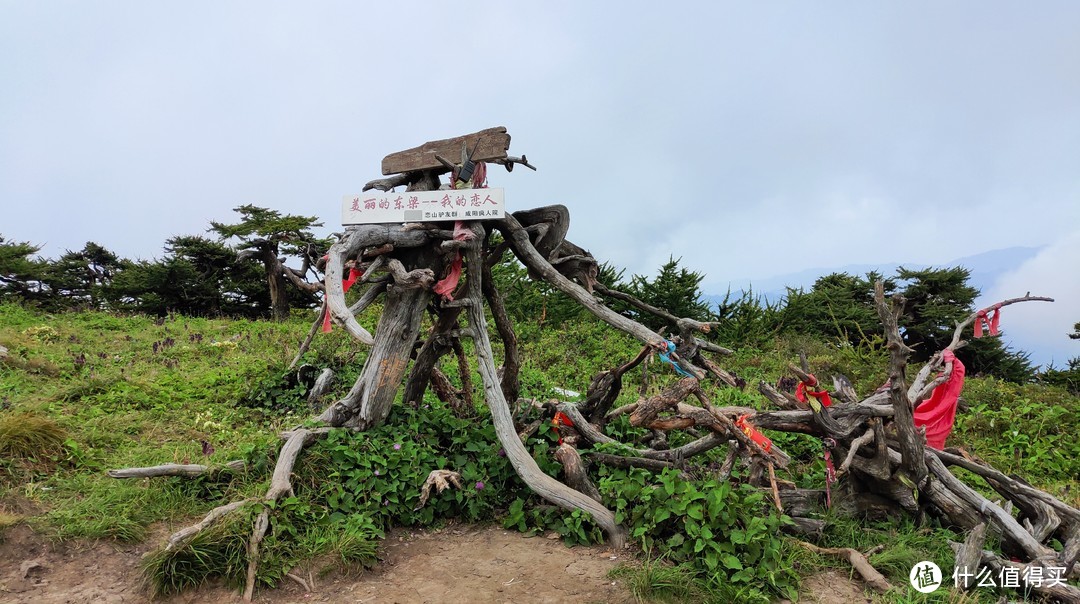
{"points": [[378, 473], [279, 392], [726, 532], [1025, 429], [575, 528]]}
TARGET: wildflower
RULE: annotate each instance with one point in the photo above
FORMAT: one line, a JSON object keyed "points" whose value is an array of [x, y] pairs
{"points": [[479, 486], [385, 502], [397, 446], [376, 472], [502, 452]]}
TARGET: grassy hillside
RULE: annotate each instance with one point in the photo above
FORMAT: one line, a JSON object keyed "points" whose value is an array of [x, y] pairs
{"points": [[82, 393]]}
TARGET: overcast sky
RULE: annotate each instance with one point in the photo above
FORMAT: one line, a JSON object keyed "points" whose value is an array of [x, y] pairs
{"points": [[750, 139]]}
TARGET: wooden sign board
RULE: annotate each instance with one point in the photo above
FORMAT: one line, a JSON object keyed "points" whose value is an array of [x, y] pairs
{"points": [[493, 144], [376, 207]]}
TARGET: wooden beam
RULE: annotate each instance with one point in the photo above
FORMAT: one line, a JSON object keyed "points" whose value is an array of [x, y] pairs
{"points": [[493, 144]]}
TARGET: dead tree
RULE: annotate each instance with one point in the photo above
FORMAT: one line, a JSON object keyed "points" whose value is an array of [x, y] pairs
{"points": [[883, 457]]}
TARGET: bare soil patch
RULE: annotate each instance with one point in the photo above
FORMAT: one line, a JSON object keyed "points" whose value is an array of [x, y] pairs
{"points": [[460, 563], [455, 564], [833, 587]]}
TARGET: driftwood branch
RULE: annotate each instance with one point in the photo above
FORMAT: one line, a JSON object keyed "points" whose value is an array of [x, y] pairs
{"points": [[576, 476], [511, 385], [392, 182], [859, 562], [510, 160], [305, 344], [605, 388], [912, 443], [523, 248], [335, 296], [421, 277], [280, 484], [184, 536], [172, 469], [671, 319], [520, 458], [962, 325]]}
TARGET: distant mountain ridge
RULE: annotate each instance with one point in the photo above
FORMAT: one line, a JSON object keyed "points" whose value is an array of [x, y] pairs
{"points": [[985, 269]]}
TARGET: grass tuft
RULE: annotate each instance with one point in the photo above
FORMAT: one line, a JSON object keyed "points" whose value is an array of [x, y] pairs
{"points": [[8, 520], [655, 580], [353, 547], [219, 551], [30, 436]]}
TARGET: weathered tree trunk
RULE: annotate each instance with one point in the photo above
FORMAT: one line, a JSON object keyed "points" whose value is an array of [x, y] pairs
{"points": [[275, 278], [511, 386], [368, 402], [525, 466], [436, 345]]}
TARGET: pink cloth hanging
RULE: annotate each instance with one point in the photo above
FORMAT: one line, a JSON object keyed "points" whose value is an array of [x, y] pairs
{"points": [[938, 413], [446, 286], [991, 317]]}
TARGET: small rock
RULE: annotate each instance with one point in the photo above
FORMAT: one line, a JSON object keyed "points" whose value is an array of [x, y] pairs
{"points": [[29, 566]]}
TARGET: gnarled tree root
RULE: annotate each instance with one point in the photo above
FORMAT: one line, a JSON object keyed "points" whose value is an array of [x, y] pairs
{"points": [[858, 561]]}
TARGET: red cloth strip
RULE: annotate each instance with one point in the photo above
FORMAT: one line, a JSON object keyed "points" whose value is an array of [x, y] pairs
{"points": [[991, 317], [560, 419], [805, 388], [752, 433], [355, 275], [938, 413], [446, 286]]}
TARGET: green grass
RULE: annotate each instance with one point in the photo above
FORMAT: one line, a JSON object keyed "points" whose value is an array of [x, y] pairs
{"points": [[84, 392]]}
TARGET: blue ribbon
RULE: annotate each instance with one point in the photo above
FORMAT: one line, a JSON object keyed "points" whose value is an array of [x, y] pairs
{"points": [[664, 357]]}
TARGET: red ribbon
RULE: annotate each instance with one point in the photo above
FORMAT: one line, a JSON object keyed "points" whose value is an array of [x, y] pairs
{"points": [[805, 388], [752, 433], [991, 316], [354, 275], [560, 419]]}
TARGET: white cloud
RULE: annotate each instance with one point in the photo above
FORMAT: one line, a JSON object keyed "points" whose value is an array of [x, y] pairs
{"points": [[1038, 327], [719, 133]]}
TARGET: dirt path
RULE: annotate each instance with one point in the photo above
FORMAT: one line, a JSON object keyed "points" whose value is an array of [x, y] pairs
{"points": [[464, 563], [456, 564]]}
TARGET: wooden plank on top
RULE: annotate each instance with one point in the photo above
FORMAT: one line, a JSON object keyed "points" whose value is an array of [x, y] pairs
{"points": [[493, 145]]}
